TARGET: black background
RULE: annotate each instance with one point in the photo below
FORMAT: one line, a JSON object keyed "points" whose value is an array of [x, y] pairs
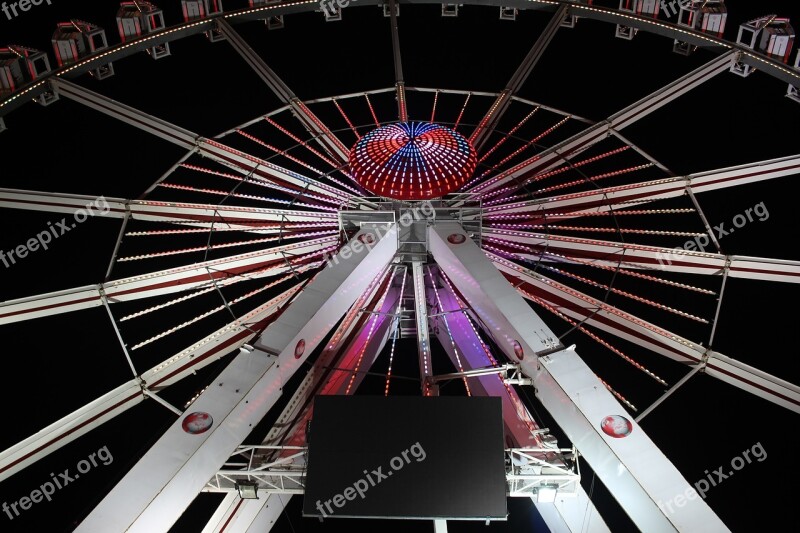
{"points": [[55, 365]]}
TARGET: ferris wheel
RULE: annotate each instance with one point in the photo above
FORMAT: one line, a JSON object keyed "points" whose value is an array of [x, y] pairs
{"points": [[332, 233]]}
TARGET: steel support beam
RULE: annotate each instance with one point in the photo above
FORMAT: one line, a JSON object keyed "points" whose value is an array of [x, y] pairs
{"points": [[488, 124], [69, 428], [151, 496], [340, 369], [572, 515], [423, 334], [159, 488], [239, 161], [612, 254], [754, 381], [579, 306], [283, 474], [634, 470], [324, 136], [184, 363], [497, 304], [529, 470], [269, 262], [683, 381], [576, 144], [250, 219], [606, 199], [400, 84], [235, 515]]}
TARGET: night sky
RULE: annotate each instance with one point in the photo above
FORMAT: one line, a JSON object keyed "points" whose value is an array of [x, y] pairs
{"points": [[58, 364]]}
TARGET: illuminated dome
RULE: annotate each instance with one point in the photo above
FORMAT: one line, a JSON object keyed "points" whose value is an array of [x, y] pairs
{"points": [[412, 161]]}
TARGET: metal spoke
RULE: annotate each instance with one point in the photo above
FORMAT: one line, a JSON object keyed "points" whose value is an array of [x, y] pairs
{"points": [[488, 124], [651, 258], [169, 281], [215, 150], [583, 308], [314, 125], [606, 198], [200, 215], [628, 116], [400, 84]]}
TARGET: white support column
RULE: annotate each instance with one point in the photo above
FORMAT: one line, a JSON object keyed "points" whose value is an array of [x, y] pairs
{"points": [[505, 315], [638, 475], [267, 515], [251, 515], [628, 463], [159, 488]]}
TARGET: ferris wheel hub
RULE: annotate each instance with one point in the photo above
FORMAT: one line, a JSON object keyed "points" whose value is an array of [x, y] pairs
{"points": [[412, 161]]}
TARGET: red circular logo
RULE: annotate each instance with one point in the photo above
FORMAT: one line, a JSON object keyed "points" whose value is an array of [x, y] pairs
{"points": [[456, 238], [616, 426], [366, 238], [300, 349], [197, 423], [518, 351]]}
